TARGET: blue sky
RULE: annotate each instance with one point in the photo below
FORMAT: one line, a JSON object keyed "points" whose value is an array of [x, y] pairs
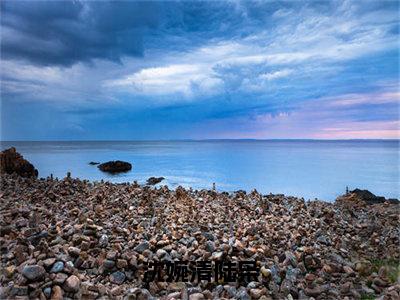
{"points": [[199, 70]]}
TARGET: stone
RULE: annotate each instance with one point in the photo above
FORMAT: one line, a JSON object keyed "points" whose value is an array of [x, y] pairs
{"points": [[9, 271], [47, 292], [117, 277], [217, 255], [72, 284], [57, 293], [74, 251], [142, 247], [13, 162], [116, 166], [210, 246], [154, 180], [34, 272], [196, 296], [122, 263], [57, 267], [103, 241], [256, 293], [108, 264], [60, 278]]}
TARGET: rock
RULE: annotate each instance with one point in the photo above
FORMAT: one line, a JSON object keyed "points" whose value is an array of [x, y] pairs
{"points": [[13, 162], [57, 267], [210, 246], [103, 241], [117, 277], [17, 290], [256, 293], [154, 180], [358, 196], [34, 272], [74, 252], [266, 272], [196, 296], [108, 264], [217, 255], [115, 166], [47, 292], [142, 247], [60, 278], [57, 293], [121, 263], [72, 284], [242, 294], [94, 163], [9, 271]]}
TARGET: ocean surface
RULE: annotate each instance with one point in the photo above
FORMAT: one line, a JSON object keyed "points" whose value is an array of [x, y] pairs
{"points": [[304, 168]]}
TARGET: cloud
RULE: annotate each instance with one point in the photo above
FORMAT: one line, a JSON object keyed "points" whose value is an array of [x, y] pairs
{"points": [[189, 63], [276, 74], [66, 32], [180, 78]]}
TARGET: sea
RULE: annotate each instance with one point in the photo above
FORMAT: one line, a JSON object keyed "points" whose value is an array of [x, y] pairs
{"points": [[307, 169]]}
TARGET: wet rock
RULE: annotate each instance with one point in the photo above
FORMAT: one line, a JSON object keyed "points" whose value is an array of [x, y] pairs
{"points": [[154, 180], [34, 272], [116, 166], [13, 162], [94, 163]]}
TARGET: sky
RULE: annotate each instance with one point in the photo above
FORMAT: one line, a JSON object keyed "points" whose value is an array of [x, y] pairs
{"points": [[98, 70]]}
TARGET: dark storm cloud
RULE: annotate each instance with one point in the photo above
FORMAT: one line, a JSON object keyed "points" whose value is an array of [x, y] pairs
{"points": [[65, 32]]}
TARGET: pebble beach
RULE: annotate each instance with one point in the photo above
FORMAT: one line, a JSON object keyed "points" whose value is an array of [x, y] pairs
{"points": [[75, 239]]}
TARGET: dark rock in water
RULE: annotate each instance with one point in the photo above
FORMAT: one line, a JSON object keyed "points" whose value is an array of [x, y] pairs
{"points": [[13, 162], [154, 180], [94, 163], [115, 166]]}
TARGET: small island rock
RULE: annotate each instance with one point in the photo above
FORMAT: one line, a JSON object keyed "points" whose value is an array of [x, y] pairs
{"points": [[115, 166], [154, 180]]}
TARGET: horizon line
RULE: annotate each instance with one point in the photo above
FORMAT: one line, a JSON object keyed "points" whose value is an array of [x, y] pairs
{"points": [[204, 140]]}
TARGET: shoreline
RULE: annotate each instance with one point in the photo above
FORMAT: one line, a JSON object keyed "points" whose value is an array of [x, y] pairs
{"points": [[72, 238]]}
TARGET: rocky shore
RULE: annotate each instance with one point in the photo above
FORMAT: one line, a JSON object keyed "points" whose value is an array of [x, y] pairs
{"points": [[74, 239]]}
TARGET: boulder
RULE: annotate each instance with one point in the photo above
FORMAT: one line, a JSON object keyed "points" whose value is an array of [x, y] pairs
{"points": [[154, 180], [115, 166], [363, 197], [13, 162]]}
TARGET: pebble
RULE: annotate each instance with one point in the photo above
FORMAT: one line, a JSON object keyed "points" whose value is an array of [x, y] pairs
{"points": [[57, 267], [142, 247], [34, 272], [304, 249], [117, 277], [72, 284]]}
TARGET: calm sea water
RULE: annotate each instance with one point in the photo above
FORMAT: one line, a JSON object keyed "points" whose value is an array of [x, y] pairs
{"points": [[309, 169]]}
